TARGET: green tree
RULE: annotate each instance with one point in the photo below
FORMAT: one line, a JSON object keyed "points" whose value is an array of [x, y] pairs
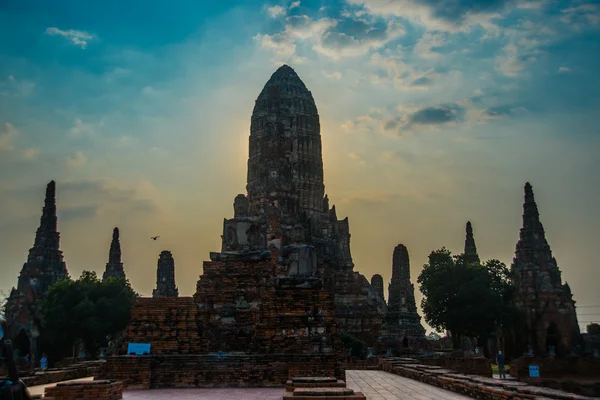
{"points": [[87, 310], [464, 298]]}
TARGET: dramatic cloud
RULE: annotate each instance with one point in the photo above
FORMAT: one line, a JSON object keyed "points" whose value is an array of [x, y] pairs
{"points": [[432, 116], [447, 15], [352, 37], [78, 38], [275, 11]]}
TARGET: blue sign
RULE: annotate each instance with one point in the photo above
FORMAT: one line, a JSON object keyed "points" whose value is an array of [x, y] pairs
{"points": [[138, 348], [534, 371]]}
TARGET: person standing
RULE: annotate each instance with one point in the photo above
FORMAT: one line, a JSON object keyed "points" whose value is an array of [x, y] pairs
{"points": [[500, 361], [43, 362]]}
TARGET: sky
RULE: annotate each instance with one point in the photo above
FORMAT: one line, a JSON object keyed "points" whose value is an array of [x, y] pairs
{"points": [[432, 113]]}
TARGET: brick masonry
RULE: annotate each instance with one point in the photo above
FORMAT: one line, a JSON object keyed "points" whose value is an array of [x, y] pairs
{"points": [[88, 390]]}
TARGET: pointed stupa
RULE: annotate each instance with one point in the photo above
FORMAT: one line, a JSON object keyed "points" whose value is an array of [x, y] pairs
{"points": [[542, 297], [470, 253], [114, 267], [165, 276], [44, 267]]}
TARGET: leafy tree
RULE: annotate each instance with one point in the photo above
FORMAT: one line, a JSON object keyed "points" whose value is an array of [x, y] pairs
{"points": [[87, 310], [464, 298]]}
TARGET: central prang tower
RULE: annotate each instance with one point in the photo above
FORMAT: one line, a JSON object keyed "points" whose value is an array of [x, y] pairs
{"points": [[285, 171], [285, 164]]}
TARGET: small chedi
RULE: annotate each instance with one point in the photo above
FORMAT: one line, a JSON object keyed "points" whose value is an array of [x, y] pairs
{"points": [[114, 267], [402, 325], [282, 286], [44, 267], [165, 276], [548, 305]]}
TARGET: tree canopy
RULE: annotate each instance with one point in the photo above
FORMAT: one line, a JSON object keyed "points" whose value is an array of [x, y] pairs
{"points": [[87, 310], [464, 298]]}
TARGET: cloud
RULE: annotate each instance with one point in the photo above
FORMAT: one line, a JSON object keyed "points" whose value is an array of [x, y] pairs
{"points": [[31, 153], [395, 157], [432, 116], [77, 212], [357, 158], [295, 4], [76, 161], [333, 75], [80, 129], [353, 37], [403, 76], [275, 11], [503, 111], [582, 16], [14, 87], [334, 38], [8, 134], [78, 38], [109, 196], [438, 15], [564, 70]]}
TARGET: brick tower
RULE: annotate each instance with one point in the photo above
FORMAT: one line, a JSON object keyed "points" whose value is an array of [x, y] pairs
{"points": [[548, 304]]}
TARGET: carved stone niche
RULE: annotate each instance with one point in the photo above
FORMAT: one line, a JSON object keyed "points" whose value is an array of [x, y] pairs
{"points": [[242, 233], [301, 260]]}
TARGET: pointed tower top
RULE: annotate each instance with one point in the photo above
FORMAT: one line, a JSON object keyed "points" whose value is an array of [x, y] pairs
{"points": [[400, 263], [470, 252], [114, 267], [51, 191]]}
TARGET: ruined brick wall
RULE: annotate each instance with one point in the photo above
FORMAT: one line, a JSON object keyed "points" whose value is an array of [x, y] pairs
{"points": [[355, 312], [241, 370], [88, 390], [169, 324], [229, 297]]}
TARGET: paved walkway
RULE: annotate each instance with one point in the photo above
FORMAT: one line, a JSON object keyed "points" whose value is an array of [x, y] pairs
{"points": [[380, 385], [376, 385]]}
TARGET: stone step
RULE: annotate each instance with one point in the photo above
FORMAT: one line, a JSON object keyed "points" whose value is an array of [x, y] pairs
{"points": [[316, 382], [324, 393]]}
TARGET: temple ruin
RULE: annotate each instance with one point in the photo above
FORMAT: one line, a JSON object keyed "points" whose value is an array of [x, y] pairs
{"points": [[402, 325], [547, 303], [44, 267], [283, 284], [165, 276]]}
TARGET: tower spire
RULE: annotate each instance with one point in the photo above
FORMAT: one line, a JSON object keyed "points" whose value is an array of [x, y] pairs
{"points": [[114, 267], [540, 292], [470, 252]]}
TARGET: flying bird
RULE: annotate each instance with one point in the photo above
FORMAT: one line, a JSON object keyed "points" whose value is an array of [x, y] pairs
{"points": [[154, 237]]}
